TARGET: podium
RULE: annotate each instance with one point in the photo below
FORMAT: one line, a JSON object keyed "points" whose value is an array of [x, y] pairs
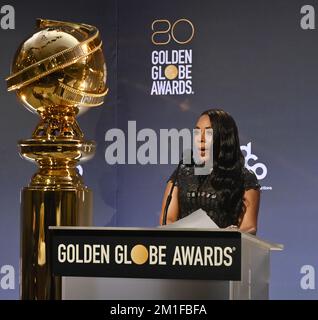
{"points": [[253, 271]]}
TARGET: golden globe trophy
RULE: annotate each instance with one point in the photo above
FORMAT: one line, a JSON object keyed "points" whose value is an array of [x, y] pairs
{"points": [[57, 73]]}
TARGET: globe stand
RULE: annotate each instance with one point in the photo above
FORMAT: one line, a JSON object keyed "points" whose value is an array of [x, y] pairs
{"points": [[58, 72]]}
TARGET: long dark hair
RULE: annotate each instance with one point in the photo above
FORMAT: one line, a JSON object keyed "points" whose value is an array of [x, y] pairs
{"points": [[228, 164]]}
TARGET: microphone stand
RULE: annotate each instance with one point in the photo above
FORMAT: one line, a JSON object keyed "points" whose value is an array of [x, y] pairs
{"points": [[165, 212]]}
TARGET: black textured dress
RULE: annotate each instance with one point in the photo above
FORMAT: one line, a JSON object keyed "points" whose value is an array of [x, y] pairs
{"points": [[195, 192]]}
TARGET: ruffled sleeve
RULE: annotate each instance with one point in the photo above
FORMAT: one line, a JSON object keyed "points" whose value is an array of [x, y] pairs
{"points": [[174, 177], [183, 173], [250, 180]]}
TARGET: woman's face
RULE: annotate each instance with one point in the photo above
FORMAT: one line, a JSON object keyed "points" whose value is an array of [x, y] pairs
{"points": [[203, 136]]}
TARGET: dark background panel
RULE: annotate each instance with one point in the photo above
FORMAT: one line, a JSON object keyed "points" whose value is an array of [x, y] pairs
{"points": [[252, 59]]}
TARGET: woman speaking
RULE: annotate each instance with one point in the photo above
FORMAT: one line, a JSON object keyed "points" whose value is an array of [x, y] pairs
{"points": [[230, 193]]}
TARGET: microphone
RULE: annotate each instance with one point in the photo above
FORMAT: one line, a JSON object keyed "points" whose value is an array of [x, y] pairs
{"points": [[165, 212], [187, 159]]}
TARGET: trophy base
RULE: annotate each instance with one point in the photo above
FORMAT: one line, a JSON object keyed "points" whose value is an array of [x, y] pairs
{"points": [[41, 209]]}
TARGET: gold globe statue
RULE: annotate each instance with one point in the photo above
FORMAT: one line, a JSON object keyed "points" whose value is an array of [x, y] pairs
{"points": [[58, 73]]}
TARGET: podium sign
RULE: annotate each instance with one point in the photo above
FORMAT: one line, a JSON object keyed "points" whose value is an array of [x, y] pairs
{"points": [[146, 253]]}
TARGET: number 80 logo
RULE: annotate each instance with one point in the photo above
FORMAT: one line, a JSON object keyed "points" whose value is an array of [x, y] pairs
{"points": [[169, 31]]}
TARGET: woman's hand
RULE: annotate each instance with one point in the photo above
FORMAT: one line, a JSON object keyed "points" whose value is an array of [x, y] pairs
{"points": [[232, 227]]}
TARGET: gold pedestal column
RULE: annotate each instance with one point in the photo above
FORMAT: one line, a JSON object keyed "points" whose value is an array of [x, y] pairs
{"points": [[57, 73]]}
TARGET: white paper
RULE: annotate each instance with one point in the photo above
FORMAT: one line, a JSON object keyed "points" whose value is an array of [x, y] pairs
{"points": [[197, 219]]}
